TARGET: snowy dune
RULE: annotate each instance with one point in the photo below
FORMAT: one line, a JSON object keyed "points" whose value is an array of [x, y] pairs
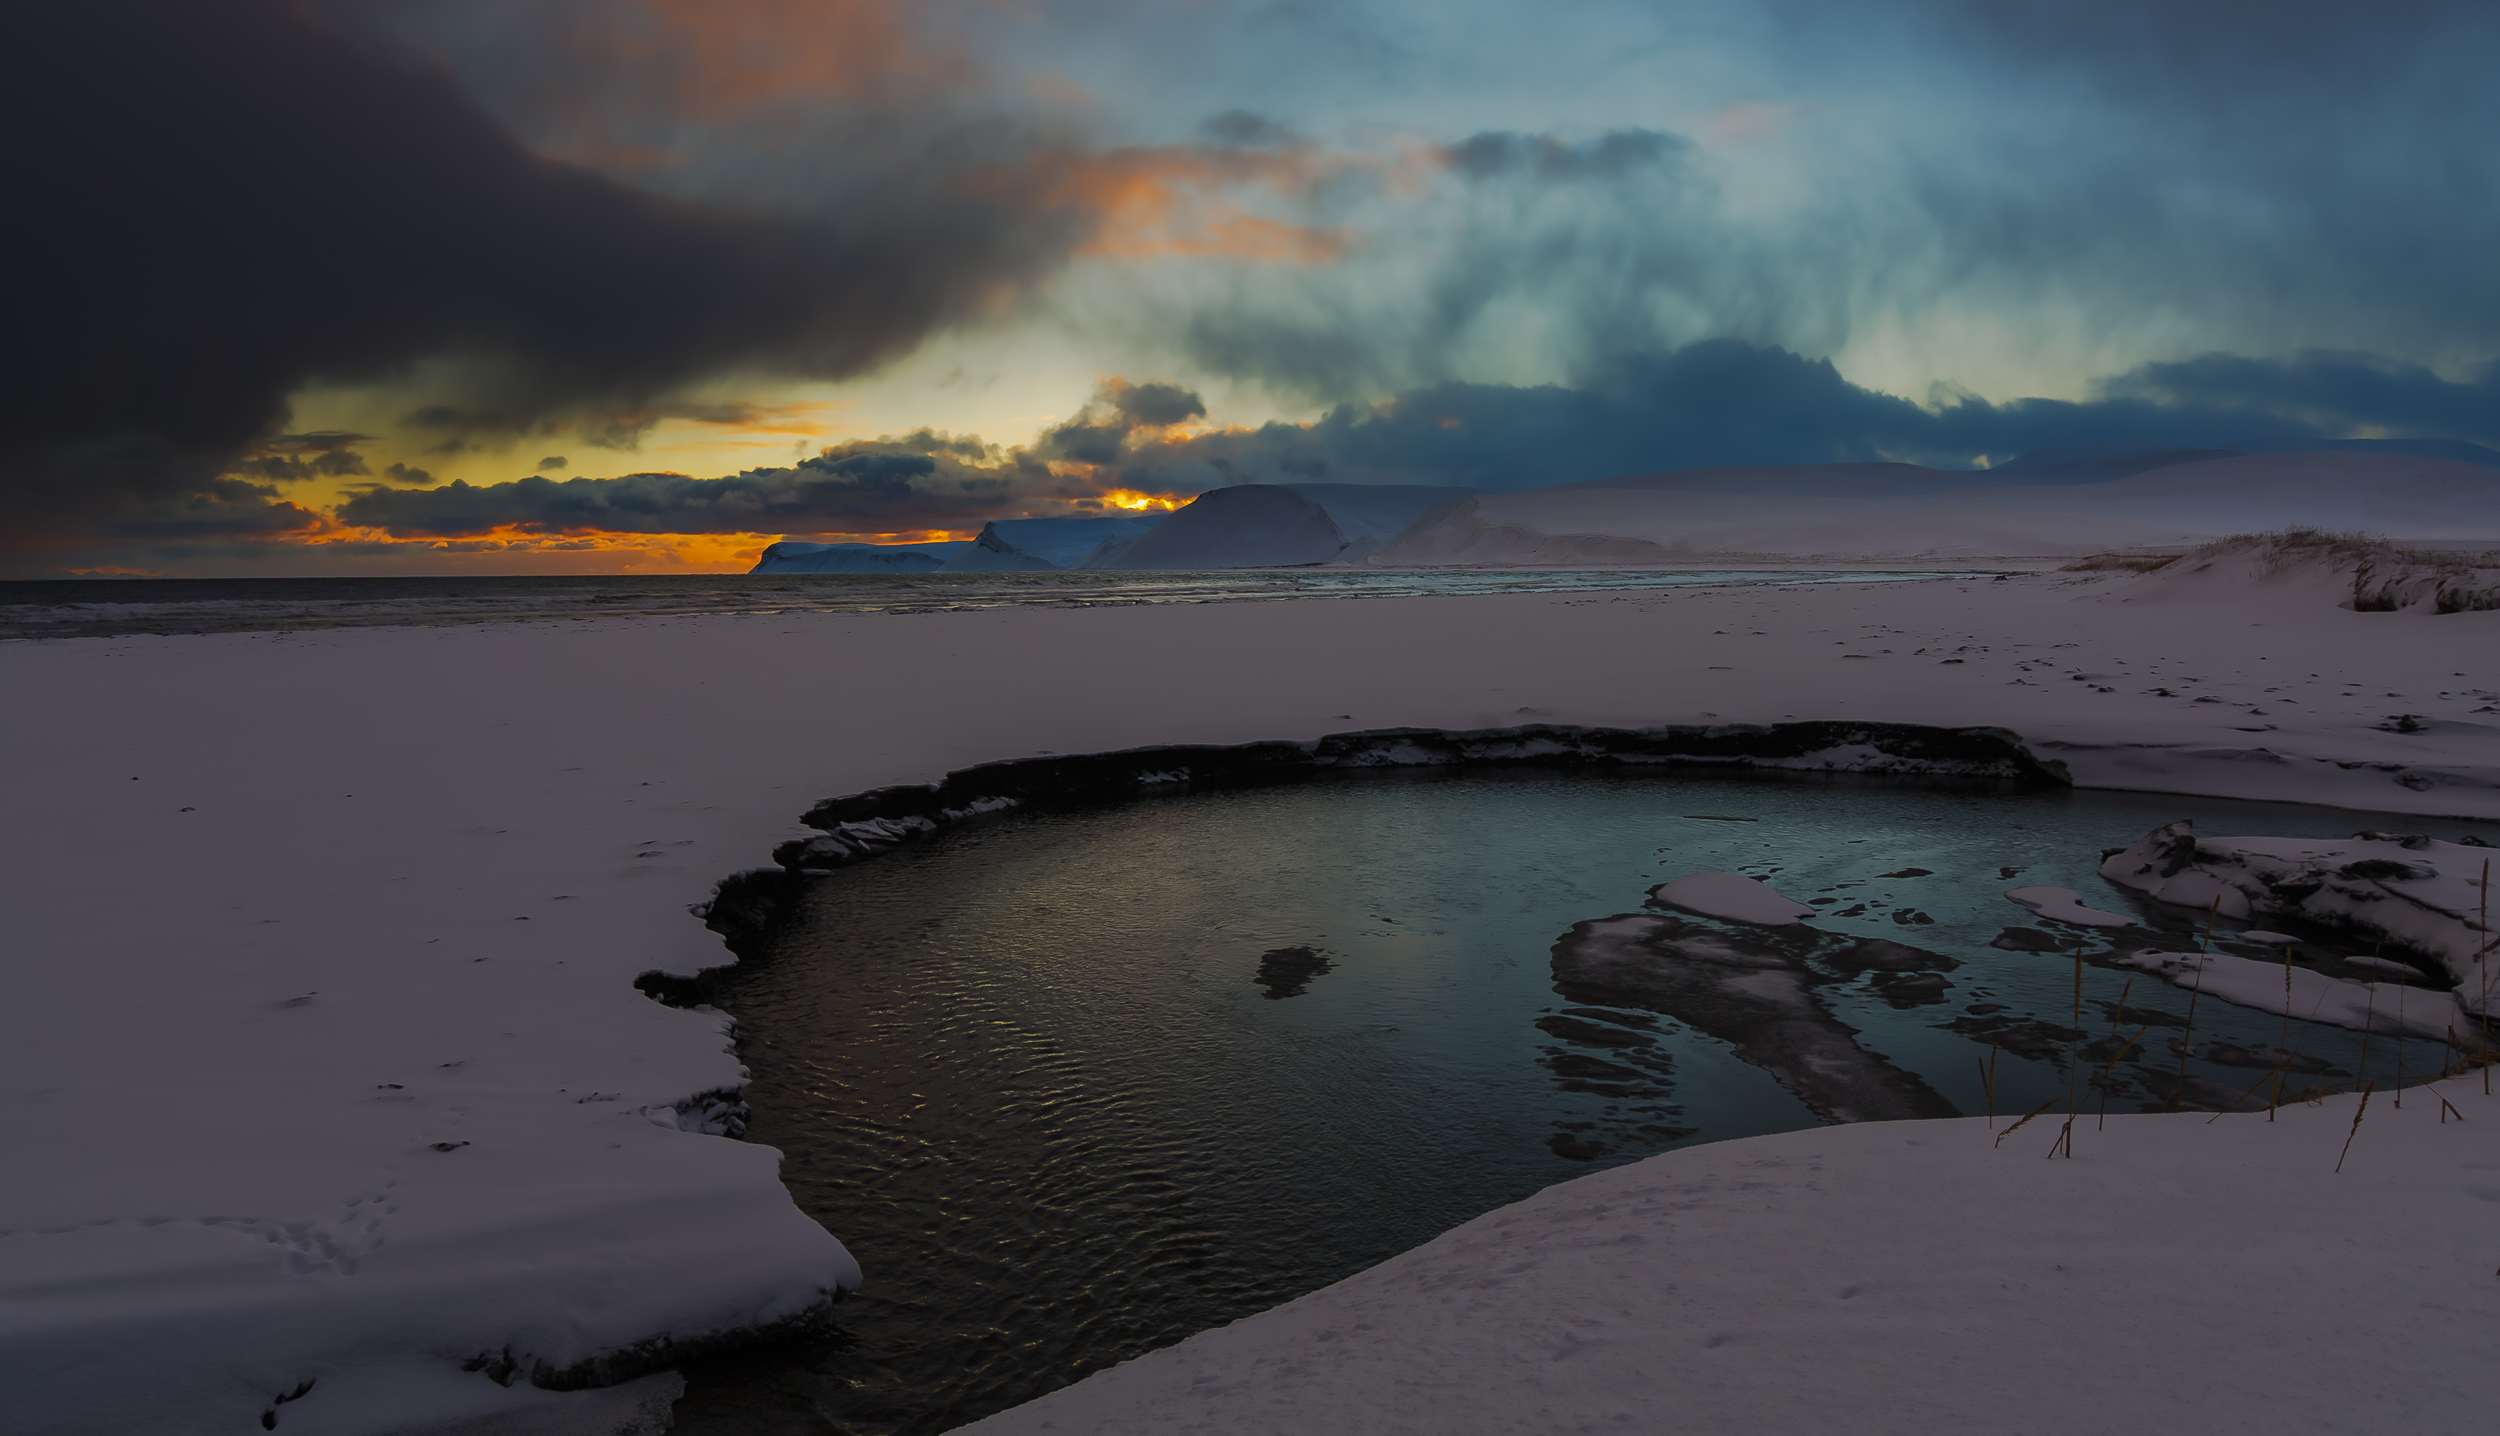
{"points": [[325, 1062]]}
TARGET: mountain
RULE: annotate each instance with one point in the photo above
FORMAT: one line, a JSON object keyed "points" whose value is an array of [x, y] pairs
{"points": [[791, 556], [1008, 545], [1833, 512], [1279, 526]]}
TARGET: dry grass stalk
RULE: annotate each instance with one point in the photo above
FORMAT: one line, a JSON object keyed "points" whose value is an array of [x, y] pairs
{"points": [[2187, 1039], [2252, 1088], [2123, 993], [2110, 1065], [2027, 1116], [2483, 959], [2074, 1063], [2369, 1020], [2357, 1112], [1988, 1083], [2399, 1098]]}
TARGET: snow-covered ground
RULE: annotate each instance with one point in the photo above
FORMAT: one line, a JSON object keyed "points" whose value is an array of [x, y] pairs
{"points": [[324, 1063], [2180, 1273]]}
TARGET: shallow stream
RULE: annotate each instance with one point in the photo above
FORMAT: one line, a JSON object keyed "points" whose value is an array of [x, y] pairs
{"points": [[1072, 1086]]}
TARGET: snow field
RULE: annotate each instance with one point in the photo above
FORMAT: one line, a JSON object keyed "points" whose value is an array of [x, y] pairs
{"points": [[323, 1061], [2179, 1272]]}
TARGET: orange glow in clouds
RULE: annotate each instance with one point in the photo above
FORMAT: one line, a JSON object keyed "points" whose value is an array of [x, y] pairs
{"points": [[717, 60], [1151, 202], [1136, 502]]}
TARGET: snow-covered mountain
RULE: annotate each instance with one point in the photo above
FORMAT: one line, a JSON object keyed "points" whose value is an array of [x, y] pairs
{"points": [[1900, 511], [791, 556], [1280, 525], [1008, 545]]}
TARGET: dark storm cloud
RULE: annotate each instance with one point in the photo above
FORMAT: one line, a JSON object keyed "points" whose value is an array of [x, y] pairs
{"points": [[2297, 167], [293, 458], [1723, 402], [920, 481], [218, 202], [1099, 433], [1158, 404], [2017, 179], [1242, 130], [1720, 402], [1609, 156]]}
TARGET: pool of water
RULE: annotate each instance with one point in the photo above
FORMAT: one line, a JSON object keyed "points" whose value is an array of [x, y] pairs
{"points": [[1073, 1086]]}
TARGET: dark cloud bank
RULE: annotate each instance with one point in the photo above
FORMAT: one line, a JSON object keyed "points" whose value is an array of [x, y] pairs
{"points": [[220, 200], [1721, 402]]}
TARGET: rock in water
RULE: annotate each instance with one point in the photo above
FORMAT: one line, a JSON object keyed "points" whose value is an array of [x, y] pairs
{"points": [[1754, 994]]}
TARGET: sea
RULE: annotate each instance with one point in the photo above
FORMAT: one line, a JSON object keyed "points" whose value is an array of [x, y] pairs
{"points": [[86, 608]]}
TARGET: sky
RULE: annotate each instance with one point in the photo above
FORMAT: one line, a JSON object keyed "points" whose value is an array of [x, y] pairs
{"points": [[452, 286]]}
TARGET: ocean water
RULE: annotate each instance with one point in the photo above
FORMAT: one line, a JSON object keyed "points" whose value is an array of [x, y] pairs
{"points": [[1074, 1086], [79, 608]]}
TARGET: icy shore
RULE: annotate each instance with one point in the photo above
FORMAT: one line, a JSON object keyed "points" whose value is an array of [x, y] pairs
{"points": [[325, 1059]]}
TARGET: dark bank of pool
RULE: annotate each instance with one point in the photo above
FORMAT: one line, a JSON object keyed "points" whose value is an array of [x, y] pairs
{"points": [[1073, 1086]]}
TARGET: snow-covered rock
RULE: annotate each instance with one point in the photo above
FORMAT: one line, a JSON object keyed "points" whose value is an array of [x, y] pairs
{"points": [[792, 556], [2066, 905], [2294, 991], [1732, 896], [2414, 893]]}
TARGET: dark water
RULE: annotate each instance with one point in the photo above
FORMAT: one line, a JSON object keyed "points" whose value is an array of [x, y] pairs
{"points": [[1072, 1087], [77, 608]]}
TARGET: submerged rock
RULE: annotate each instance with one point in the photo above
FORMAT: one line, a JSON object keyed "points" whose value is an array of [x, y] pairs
{"points": [[1754, 992]]}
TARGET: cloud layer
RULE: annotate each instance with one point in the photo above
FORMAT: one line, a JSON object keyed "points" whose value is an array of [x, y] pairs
{"points": [[261, 203], [1713, 403], [1488, 249]]}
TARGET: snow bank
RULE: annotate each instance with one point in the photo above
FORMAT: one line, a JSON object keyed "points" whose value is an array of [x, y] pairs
{"points": [[2296, 991], [2414, 893], [2179, 1273], [2355, 571], [1733, 896]]}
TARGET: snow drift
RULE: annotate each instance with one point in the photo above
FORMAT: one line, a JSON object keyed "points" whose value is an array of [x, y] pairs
{"points": [[2349, 570]]}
